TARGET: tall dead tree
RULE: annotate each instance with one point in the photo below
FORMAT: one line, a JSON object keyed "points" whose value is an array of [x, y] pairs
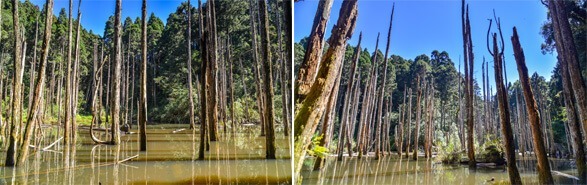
{"points": [[68, 83], [189, 64], [311, 63], [382, 90], [311, 110], [34, 109], [115, 102], [16, 88], [544, 175], [143, 99], [363, 124], [345, 119], [468, 52], [258, 64], [504, 110], [418, 115], [74, 76]]}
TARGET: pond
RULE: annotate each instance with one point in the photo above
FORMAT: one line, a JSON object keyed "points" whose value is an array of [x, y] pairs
{"points": [[395, 170], [171, 158]]}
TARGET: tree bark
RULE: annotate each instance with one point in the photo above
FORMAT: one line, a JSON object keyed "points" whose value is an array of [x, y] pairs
{"points": [[504, 115], [418, 116], [312, 107], [544, 175], [34, 107], [16, 88], [143, 98], [382, 90], [115, 102], [203, 34], [268, 82], [68, 83], [258, 65], [311, 63]]}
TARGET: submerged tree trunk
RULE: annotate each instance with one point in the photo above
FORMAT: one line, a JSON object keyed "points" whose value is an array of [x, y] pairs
{"points": [[16, 88], [143, 99], [115, 102], [418, 116], [382, 91], [68, 83], [312, 107], [189, 65], [34, 108], [203, 33], [311, 63], [504, 115], [268, 82], [543, 166]]}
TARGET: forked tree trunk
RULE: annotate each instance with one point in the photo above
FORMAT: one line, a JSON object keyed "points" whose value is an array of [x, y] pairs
{"points": [[504, 115], [312, 107]]}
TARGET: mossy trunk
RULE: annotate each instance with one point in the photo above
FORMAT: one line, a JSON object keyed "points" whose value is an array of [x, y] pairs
{"points": [[312, 107]]}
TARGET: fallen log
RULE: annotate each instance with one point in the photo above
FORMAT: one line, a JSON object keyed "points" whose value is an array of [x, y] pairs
{"points": [[178, 130], [127, 159], [564, 175], [52, 144]]}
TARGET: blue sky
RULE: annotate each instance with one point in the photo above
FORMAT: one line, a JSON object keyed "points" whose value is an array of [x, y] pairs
{"points": [[95, 13], [419, 27]]}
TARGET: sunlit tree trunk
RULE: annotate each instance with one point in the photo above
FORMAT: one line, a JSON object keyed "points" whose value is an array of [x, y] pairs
{"points": [[311, 63], [312, 107], [16, 88], [258, 65], [68, 83], [74, 76], [418, 116], [543, 166], [34, 108], [115, 102], [467, 49], [504, 115], [382, 91]]}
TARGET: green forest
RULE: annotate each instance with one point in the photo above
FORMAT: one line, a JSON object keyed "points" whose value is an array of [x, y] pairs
{"points": [[215, 75]]}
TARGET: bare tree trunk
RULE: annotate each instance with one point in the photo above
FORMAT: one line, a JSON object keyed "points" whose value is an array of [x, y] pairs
{"points": [[467, 46], [311, 63], [75, 81], [329, 120], [545, 177], [409, 121], [33, 64], [246, 105], [231, 86], [363, 123], [143, 99], [418, 116], [16, 88], [267, 81], [189, 65], [115, 102], [34, 108], [504, 115], [257, 67], [382, 90], [284, 77], [68, 83], [310, 111], [203, 36]]}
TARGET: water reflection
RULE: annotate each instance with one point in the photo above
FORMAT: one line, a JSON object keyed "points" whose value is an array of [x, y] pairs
{"points": [[171, 159], [395, 170]]}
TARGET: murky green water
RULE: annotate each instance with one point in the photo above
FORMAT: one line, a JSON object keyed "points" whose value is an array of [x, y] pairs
{"points": [[171, 159], [393, 170]]}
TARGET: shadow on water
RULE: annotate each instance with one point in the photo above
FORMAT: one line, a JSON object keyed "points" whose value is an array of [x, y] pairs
{"points": [[395, 170], [171, 159]]}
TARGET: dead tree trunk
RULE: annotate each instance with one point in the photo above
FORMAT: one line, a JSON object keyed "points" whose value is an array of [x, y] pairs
{"points": [[68, 83], [34, 108], [143, 99], [189, 65], [504, 114], [74, 76], [310, 111], [115, 104], [311, 63], [468, 47], [545, 177], [16, 88], [382, 90], [258, 65], [418, 116]]}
